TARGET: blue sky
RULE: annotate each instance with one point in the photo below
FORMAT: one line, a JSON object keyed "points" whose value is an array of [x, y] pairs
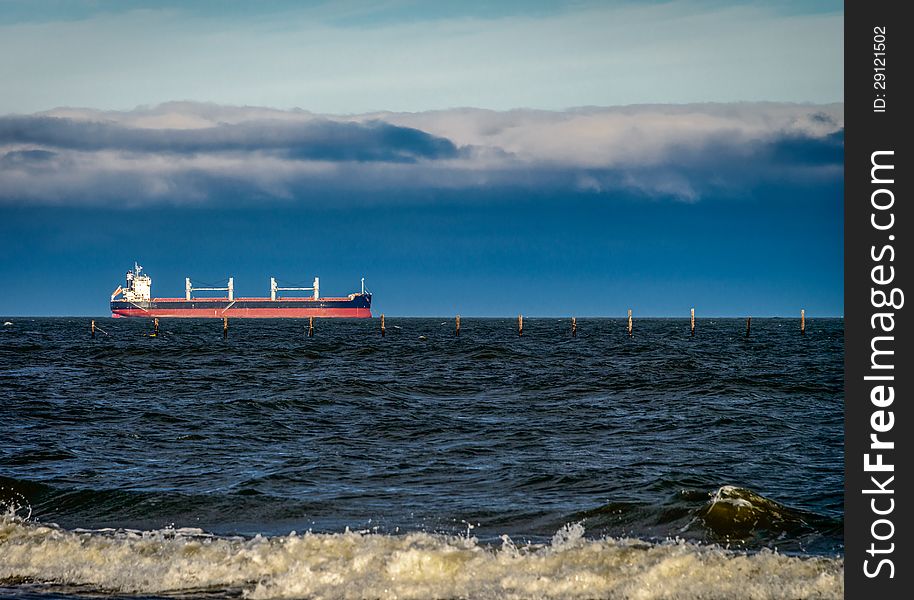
{"points": [[482, 158], [352, 57]]}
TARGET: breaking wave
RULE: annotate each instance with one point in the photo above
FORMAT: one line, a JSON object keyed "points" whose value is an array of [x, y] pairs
{"points": [[412, 566]]}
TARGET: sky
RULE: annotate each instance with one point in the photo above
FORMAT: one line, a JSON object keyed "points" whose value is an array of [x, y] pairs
{"points": [[482, 158]]}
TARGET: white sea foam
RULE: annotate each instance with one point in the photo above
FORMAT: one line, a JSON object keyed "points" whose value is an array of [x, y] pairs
{"points": [[418, 565]]}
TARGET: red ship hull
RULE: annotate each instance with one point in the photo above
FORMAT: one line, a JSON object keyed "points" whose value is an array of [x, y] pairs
{"points": [[358, 306]]}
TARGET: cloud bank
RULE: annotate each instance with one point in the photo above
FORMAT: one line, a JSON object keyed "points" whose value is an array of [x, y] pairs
{"points": [[184, 152]]}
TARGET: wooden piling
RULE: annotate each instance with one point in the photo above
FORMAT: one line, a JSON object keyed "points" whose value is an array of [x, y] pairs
{"points": [[310, 326], [692, 322], [748, 325], [457, 329], [383, 329], [629, 322], [574, 327], [802, 321], [520, 325], [224, 328], [93, 329]]}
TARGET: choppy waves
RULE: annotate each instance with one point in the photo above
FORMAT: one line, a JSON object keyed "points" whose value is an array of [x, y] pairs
{"points": [[731, 516], [413, 437], [417, 565]]}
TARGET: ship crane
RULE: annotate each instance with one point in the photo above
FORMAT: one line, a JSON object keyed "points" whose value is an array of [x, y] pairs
{"points": [[275, 288], [189, 289]]}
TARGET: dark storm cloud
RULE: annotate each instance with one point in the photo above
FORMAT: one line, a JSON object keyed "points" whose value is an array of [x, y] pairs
{"points": [[780, 150], [189, 153], [312, 140], [26, 157], [795, 149]]}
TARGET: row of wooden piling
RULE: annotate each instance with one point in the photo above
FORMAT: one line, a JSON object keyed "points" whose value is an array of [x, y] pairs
{"points": [[520, 325], [630, 325]]}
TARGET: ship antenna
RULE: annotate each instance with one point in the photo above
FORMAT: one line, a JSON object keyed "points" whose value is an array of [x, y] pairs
{"points": [[363, 285]]}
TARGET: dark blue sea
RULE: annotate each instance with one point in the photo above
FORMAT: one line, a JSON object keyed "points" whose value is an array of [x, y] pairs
{"points": [[421, 464]]}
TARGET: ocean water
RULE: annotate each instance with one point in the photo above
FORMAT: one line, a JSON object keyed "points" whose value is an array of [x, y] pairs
{"points": [[420, 464]]}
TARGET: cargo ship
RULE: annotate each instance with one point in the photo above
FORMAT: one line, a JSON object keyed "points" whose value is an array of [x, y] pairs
{"points": [[133, 299]]}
